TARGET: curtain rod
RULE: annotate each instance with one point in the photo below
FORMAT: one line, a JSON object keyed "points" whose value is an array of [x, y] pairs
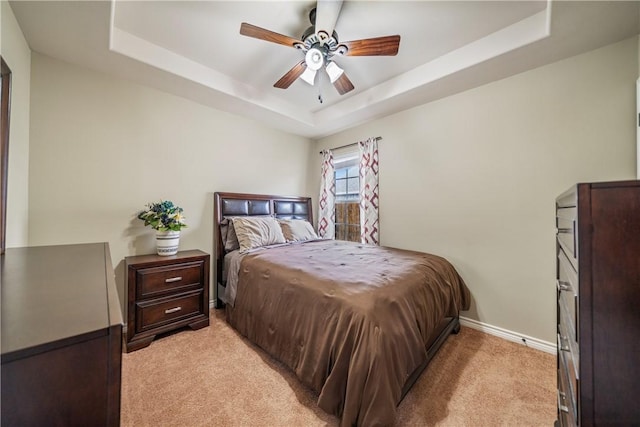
{"points": [[378, 138]]}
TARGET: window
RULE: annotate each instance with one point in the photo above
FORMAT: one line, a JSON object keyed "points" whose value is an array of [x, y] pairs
{"points": [[347, 180]]}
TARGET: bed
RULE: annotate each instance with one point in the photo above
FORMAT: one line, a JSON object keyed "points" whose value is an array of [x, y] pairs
{"points": [[356, 323]]}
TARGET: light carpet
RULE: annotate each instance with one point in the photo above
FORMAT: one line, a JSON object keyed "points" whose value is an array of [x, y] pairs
{"points": [[215, 377]]}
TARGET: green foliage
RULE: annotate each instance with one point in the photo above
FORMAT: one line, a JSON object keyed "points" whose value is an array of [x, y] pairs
{"points": [[163, 216]]}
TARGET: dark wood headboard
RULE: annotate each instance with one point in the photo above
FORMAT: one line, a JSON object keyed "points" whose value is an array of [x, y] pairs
{"points": [[242, 204]]}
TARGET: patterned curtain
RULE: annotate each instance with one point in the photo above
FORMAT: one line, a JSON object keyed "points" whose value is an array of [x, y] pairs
{"points": [[327, 215], [369, 224]]}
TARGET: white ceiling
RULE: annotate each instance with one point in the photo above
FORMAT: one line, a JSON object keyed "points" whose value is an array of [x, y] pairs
{"points": [[194, 49]]}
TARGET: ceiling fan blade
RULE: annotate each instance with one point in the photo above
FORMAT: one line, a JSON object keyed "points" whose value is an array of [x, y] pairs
{"points": [[267, 35], [291, 75], [343, 84], [327, 12], [378, 46]]}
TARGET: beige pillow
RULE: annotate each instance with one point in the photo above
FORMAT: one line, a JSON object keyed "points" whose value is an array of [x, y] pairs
{"points": [[228, 235], [297, 230], [254, 232]]}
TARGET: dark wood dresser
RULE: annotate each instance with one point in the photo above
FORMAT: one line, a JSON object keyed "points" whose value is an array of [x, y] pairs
{"points": [[61, 337], [598, 295], [166, 293]]}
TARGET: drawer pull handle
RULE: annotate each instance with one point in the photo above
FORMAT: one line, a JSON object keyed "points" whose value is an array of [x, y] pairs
{"points": [[563, 286], [563, 343], [561, 406], [173, 279], [564, 230], [172, 310]]}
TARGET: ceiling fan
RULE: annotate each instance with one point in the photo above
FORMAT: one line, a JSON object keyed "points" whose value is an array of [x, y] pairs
{"points": [[320, 45]]}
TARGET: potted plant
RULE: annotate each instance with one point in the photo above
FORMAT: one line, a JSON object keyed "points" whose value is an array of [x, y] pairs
{"points": [[167, 219]]}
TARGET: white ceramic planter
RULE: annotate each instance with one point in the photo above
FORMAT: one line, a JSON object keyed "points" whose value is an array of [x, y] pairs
{"points": [[167, 242]]}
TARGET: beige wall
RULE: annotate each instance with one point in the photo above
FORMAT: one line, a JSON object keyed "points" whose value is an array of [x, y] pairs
{"points": [[16, 53], [474, 176], [101, 148]]}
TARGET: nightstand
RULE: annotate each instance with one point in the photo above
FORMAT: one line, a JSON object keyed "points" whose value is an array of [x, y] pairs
{"points": [[165, 293]]}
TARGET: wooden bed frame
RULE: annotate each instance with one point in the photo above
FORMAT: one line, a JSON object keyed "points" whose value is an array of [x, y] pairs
{"points": [[243, 204]]}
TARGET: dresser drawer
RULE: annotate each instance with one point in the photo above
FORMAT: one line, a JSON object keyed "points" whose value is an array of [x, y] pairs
{"points": [[567, 273], [566, 231], [568, 369], [567, 290], [155, 281], [569, 213], [564, 331], [567, 409], [152, 314], [568, 304]]}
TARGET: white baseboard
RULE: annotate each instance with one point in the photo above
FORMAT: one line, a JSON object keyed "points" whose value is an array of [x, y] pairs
{"points": [[526, 340]]}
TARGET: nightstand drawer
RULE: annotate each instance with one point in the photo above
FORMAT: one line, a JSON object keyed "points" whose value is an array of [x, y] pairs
{"points": [[153, 282], [156, 313]]}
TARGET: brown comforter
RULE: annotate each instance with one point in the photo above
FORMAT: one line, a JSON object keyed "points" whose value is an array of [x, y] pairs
{"points": [[352, 321]]}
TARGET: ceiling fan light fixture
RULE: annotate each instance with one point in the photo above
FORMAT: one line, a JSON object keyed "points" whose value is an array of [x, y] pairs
{"points": [[314, 59], [308, 75], [334, 71]]}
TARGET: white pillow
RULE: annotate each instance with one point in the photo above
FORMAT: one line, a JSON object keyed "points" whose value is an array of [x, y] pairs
{"points": [[254, 232], [297, 230]]}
